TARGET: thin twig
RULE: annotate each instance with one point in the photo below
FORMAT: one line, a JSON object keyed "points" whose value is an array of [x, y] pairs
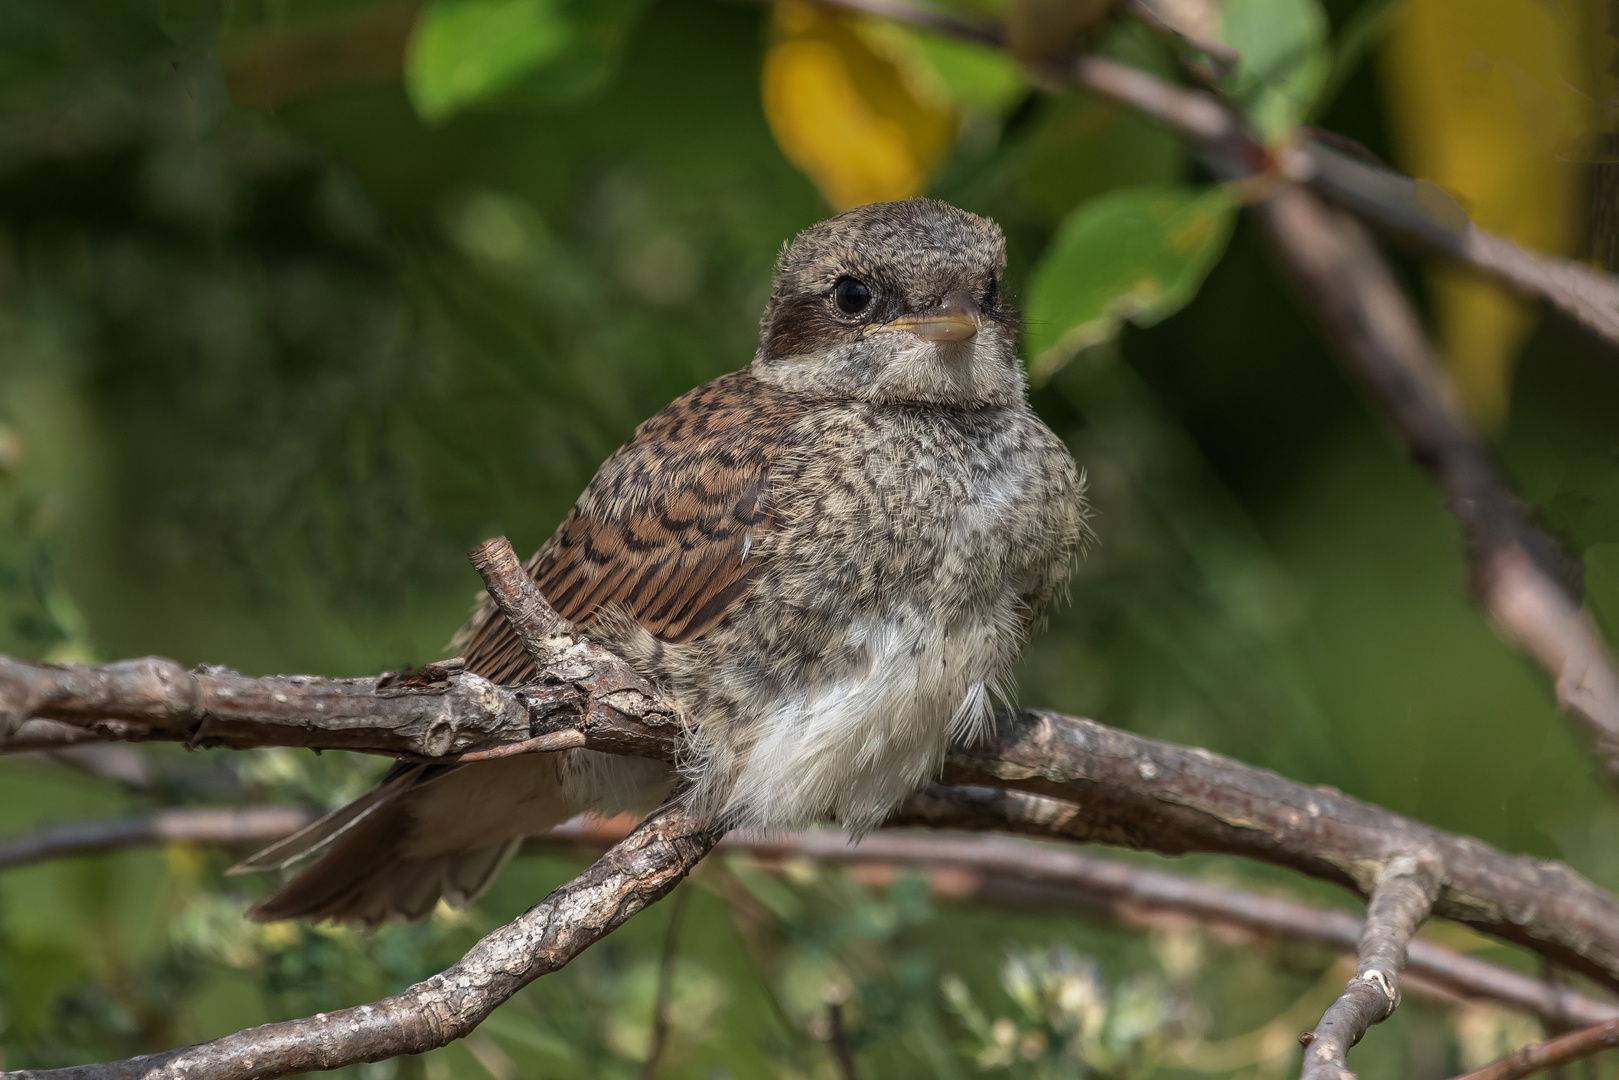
{"points": [[992, 868], [925, 17], [838, 1039], [1003, 868], [1422, 212], [1418, 210], [1223, 58], [1400, 903], [203, 825], [1197, 115], [1335, 269], [1542, 1056], [637, 871], [544, 633], [666, 982]]}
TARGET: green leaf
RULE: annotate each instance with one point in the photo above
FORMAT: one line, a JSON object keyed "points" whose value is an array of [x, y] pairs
{"points": [[1137, 254], [975, 75], [1285, 62], [464, 52]]}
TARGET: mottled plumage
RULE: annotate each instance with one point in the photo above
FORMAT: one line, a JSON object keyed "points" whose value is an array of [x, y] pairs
{"points": [[830, 559]]}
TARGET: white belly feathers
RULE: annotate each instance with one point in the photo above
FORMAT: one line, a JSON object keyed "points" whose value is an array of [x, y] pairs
{"points": [[854, 748]]}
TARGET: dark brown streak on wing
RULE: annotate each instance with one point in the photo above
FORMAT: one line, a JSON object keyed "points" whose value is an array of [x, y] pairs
{"points": [[671, 529]]}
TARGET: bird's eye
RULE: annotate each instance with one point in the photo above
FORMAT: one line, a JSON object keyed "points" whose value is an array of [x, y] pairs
{"points": [[851, 296]]}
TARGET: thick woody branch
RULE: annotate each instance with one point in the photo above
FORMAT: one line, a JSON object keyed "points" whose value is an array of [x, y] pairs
{"points": [[584, 697], [635, 872], [202, 825], [1113, 787], [1124, 789], [440, 709], [1551, 1054], [1400, 903]]}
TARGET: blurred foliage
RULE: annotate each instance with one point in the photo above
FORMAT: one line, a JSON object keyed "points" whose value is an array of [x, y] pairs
{"points": [[1503, 108], [300, 299], [466, 51]]}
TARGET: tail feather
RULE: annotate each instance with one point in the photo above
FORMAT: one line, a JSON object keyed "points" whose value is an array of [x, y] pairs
{"points": [[362, 880], [426, 832], [318, 834], [356, 862]]}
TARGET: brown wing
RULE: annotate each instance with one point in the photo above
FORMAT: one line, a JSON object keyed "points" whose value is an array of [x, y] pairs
{"points": [[671, 529]]}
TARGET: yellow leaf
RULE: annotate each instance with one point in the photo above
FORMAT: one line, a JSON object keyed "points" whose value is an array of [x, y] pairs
{"points": [[1489, 99], [853, 119]]}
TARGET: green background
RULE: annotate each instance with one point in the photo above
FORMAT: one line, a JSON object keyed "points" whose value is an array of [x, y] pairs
{"points": [[266, 374]]}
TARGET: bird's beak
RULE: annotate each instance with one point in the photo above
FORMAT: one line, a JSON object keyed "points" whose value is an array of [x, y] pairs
{"points": [[953, 318]]}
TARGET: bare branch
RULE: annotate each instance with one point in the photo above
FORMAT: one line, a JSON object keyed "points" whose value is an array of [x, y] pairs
{"points": [[1400, 903], [81, 750], [632, 874], [440, 709], [994, 868], [1223, 58], [207, 825], [584, 696], [926, 17], [544, 633], [1129, 790], [624, 704], [1002, 868], [1540, 1057], [45, 736], [1422, 212], [1113, 787], [1197, 115], [1337, 272]]}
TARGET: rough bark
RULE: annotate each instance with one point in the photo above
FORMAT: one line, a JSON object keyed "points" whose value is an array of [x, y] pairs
{"points": [[1116, 788], [1401, 901]]}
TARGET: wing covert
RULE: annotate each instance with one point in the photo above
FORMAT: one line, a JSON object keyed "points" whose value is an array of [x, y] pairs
{"points": [[673, 528]]}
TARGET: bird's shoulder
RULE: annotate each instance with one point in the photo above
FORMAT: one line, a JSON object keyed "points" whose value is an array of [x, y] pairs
{"points": [[672, 530]]}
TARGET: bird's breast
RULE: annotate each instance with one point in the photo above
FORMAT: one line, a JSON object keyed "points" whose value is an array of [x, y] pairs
{"points": [[892, 509]]}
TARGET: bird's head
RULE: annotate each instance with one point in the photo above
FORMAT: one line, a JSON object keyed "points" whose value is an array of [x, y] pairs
{"points": [[898, 303]]}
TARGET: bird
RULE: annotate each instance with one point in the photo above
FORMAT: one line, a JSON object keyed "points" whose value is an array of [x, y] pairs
{"points": [[830, 559]]}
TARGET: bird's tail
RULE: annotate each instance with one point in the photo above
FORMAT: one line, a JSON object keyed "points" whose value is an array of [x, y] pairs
{"points": [[425, 832]]}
